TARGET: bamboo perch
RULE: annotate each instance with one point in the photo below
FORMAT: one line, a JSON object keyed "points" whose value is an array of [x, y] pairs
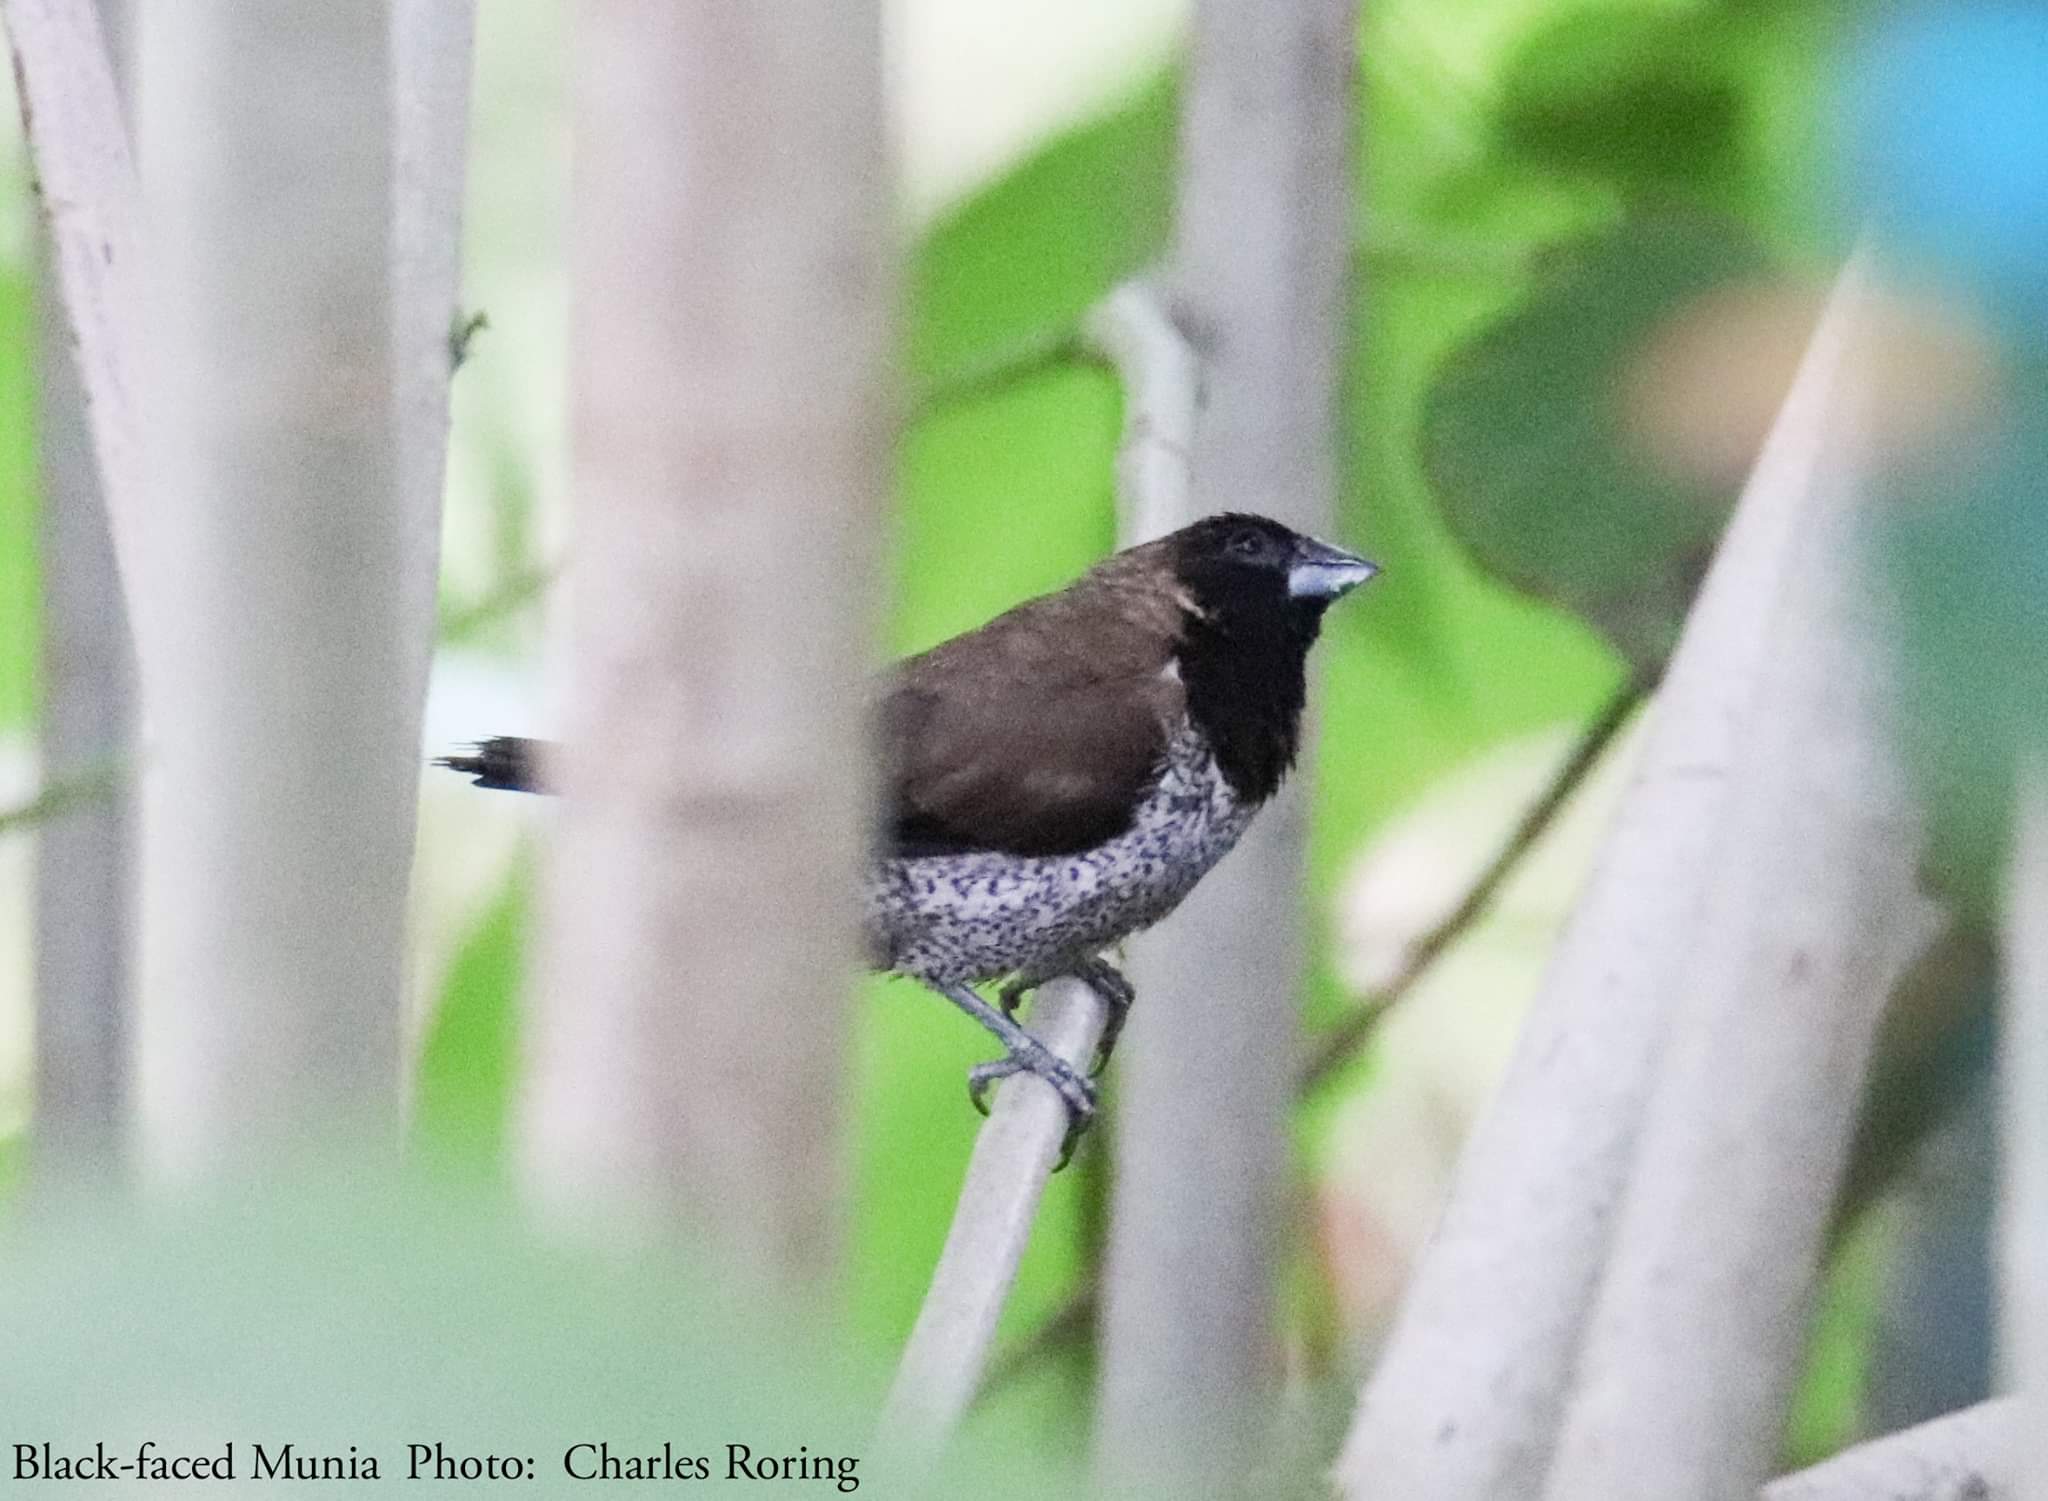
{"points": [[948, 1351], [1013, 1157], [432, 47]]}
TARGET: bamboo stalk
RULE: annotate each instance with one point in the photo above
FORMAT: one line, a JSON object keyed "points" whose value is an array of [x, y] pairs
{"points": [[282, 667], [730, 449], [1259, 285], [91, 203], [83, 904], [2023, 1065], [1466, 1397], [1814, 914], [1971, 1455]]}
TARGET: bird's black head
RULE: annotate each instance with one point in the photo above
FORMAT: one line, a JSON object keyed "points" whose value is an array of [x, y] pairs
{"points": [[1249, 574], [1254, 593]]}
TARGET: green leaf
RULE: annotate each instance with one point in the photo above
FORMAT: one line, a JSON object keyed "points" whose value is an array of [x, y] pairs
{"points": [[1036, 247], [1646, 100], [1523, 436], [1005, 492]]}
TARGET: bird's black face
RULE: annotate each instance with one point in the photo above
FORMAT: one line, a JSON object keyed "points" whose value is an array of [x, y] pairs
{"points": [[1245, 570]]}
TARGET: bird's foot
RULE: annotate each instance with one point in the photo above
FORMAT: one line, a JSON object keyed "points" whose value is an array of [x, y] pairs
{"points": [[1029, 1056], [1099, 975], [1026, 1054]]}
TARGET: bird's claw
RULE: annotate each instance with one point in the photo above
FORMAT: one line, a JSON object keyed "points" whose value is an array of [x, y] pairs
{"points": [[1110, 983], [1117, 993], [1075, 1089], [1105, 979]]}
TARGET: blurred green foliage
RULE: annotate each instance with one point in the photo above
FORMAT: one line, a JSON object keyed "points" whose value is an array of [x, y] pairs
{"points": [[1651, 101], [1945, 120], [1496, 136], [354, 1315], [462, 1099], [1826, 1414], [1966, 541]]}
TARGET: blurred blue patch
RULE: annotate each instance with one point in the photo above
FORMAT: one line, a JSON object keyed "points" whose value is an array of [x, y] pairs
{"points": [[1945, 110], [1945, 154]]}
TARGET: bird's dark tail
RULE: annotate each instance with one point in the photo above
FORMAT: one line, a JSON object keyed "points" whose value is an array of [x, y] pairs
{"points": [[505, 762]]}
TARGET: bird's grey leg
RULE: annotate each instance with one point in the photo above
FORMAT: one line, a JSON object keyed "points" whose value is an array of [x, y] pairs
{"points": [[1096, 972], [1026, 1054]]}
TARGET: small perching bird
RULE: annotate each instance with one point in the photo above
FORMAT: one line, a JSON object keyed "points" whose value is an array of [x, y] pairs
{"points": [[1062, 777]]}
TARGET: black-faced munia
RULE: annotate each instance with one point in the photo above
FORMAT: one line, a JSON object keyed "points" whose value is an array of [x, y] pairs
{"points": [[1063, 776]]}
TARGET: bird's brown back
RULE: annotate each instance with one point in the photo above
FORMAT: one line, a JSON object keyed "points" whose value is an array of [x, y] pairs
{"points": [[1037, 733]]}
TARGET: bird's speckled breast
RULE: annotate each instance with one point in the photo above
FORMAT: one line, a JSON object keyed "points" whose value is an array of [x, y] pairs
{"points": [[983, 915]]}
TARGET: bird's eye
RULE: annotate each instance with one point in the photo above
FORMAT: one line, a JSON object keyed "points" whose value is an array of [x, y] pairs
{"points": [[1246, 544]]}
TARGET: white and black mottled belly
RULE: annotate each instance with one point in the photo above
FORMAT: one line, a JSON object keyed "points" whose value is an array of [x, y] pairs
{"points": [[982, 915]]}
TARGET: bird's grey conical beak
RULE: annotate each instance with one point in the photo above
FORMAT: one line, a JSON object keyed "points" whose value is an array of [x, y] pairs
{"points": [[1320, 571]]}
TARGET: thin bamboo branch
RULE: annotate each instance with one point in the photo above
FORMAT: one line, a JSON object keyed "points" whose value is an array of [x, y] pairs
{"points": [[1063, 345], [1971, 1455], [507, 598], [91, 202], [1133, 330], [942, 1368], [2023, 1088], [1013, 1157], [1002, 369], [433, 44], [432, 47], [1344, 1040], [1466, 1396]]}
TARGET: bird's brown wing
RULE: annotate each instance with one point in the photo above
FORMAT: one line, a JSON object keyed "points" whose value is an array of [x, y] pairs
{"points": [[1037, 734]]}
